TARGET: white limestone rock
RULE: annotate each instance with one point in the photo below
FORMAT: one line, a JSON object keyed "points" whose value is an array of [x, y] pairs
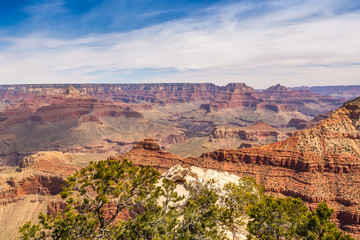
{"points": [[176, 173], [191, 177]]}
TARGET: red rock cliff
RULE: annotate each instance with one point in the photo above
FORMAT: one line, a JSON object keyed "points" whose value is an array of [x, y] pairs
{"points": [[318, 164]]}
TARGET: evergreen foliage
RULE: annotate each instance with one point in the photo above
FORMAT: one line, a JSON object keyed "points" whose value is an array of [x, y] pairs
{"points": [[288, 218], [238, 199], [97, 195]]}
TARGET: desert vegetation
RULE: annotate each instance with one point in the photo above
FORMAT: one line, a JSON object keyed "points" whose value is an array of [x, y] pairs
{"points": [[118, 200]]}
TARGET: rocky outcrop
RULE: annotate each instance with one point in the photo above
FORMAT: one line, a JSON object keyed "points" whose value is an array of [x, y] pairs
{"points": [[174, 139], [193, 177], [277, 107], [33, 189], [48, 161], [281, 92], [147, 144], [187, 177], [13, 189], [148, 152], [300, 124], [339, 190], [297, 123], [76, 108], [276, 99], [301, 100], [259, 133], [331, 146], [233, 95], [22, 209]]}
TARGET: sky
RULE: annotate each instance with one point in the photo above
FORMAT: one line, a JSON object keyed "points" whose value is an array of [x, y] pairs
{"points": [[257, 42]]}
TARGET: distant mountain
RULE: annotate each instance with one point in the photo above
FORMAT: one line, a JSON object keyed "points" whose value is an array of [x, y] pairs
{"points": [[347, 92]]}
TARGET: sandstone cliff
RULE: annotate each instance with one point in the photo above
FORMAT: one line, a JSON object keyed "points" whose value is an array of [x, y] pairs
{"points": [[277, 99], [347, 92], [98, 118], [259, 133], [214, 97], [318, 164], [69, 120], [33, 189]]}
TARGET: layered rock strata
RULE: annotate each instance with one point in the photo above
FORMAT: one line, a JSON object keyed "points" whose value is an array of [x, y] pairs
{"points": [[347, 92], [276, 98], [70, 120], [33, 189], [318, 164], [259, 133], [97, 118]]}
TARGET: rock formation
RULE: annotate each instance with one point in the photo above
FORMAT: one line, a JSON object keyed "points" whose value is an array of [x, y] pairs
{"points": [[50, 161], [276, 98], [214, 97], [148, 152], [347, 92], [95, 117], [300, 124], [68, 120], [186, 178], [318, 164], [33, 189], [259, 133]]}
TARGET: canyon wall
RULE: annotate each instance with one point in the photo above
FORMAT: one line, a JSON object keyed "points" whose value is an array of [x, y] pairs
{"points": [[348, 92], [318, 164], [232, 95]]}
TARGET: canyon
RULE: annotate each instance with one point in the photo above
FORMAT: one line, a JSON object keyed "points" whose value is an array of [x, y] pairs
{"points": [[293, 142], [347, 92], [32, 189], [184, 118], [317, 164]]}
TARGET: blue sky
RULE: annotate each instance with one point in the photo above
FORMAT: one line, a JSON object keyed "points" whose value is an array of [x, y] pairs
{"points": [[260, 43]]}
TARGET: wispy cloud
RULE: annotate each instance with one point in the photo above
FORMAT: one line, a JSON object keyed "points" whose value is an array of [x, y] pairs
{"points": [[52, 7], [291, 42]]}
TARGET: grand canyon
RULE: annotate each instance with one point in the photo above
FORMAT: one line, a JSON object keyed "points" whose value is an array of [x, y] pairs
{"points": [[294, 142], [216, 119], [187, 119]]}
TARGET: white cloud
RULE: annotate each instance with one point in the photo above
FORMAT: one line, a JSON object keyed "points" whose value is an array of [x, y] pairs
{"points": [[303, 43]]}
